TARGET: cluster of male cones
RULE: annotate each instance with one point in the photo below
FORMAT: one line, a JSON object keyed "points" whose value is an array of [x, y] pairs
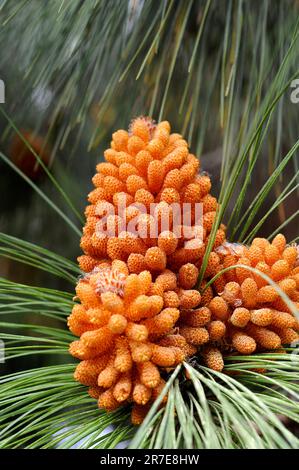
{"points": [[141, 312]]}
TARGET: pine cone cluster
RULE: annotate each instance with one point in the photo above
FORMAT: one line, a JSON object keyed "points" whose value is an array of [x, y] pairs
{"points": [[140, 313], [126, 336], [243, 312]]}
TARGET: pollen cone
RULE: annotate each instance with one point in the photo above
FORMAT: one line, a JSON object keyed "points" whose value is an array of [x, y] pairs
{"points": [[151, 206], [242, 312]]}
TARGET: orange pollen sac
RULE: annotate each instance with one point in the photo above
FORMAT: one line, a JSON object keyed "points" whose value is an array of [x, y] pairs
{"points": [[143, 127]]}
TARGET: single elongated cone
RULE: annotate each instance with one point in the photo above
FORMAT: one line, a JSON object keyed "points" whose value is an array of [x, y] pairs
{"points": [[213, 358], [150, 171]]}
